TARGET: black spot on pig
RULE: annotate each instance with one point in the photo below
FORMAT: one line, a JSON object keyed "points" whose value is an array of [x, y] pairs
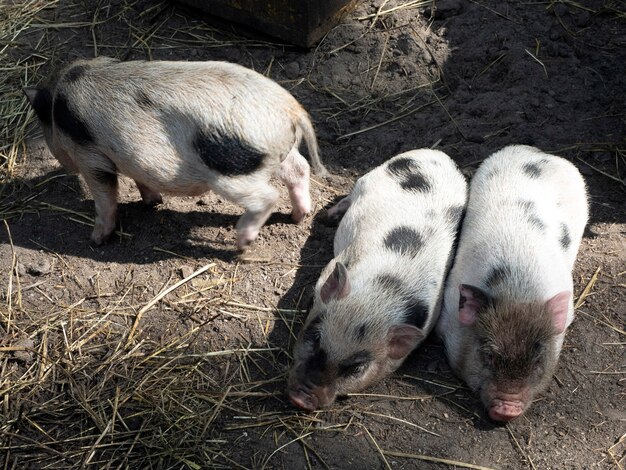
{"points": [[41, 101], [400, 166], [404, 240], [497, 276], [226, 154], [316, 367], [391, 283], [312, 334], [75, 73], [105, 177], [69, 122], [416, 182], [536, 222], [360, 333], [143, 100], [529, 208], [565, 239], [532, 169], [407, 172], [416, 312]]}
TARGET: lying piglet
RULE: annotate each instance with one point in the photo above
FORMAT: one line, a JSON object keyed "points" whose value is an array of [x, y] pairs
{"points": [[508, 298], [380, 296], [181, 128]]}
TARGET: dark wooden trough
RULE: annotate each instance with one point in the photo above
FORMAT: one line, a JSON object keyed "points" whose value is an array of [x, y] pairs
{"points": [[300, 22]]}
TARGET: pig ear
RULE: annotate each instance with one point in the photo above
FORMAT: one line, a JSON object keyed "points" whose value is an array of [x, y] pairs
{"points": [[558, 306], [402, 339], [471, 301], [337, 286], [41, 101]]}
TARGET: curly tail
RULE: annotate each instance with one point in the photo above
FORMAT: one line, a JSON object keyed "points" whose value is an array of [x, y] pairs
{"points": [[306, 127]]}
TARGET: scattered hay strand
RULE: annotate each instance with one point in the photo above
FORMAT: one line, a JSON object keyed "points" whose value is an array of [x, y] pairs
{"points": [[408, 423], [160, 296], [388, 121], [407, 5], [519, 447], [427, 458], [538, 61], [380, 451], [587, 289]]}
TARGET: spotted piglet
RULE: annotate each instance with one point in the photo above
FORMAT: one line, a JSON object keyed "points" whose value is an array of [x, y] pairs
{"points": [[380, 296], [178, 127], [508, 298]]}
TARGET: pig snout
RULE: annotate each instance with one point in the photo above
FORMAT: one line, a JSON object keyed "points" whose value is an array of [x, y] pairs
{"points": [[503, 409], [308, 396], [303, 398], [506, 406]]}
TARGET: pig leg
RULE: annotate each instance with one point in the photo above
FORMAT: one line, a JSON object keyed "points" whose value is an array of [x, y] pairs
{"points": [[257, 196], [294, 172], [101, 177], [256, 215], [148, 196]]}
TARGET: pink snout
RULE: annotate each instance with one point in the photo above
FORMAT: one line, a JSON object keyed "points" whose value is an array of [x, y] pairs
{"points": [[303, 399], [505, 409]]}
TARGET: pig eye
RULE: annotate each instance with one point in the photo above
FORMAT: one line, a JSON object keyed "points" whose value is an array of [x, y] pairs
{"points": [[487, 357], [352, 369], [356, 365], [538, 350]]}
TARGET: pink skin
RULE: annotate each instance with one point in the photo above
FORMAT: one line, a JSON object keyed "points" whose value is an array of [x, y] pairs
{"points": [[505, 406], [295, 172], [310, 399], [148, 196]]}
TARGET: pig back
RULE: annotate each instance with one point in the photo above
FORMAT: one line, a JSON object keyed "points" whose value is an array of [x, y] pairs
{"points": [[525, 219], [136, 110], [401, 228]]}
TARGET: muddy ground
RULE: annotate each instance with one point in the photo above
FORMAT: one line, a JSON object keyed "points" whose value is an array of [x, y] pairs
{"points": [[200, 382]]}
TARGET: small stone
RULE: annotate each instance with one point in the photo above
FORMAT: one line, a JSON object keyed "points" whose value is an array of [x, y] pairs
{"points": [[186, 271], [292, 70], [20, 269], [39, 268], [25, 353], [474, 137]]}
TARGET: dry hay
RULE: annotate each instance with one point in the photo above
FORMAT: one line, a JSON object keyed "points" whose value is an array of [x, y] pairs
{"points": [[81, 386]]}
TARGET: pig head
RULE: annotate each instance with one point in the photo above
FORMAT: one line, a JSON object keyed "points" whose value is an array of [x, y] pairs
{"points": [[335, 354]]}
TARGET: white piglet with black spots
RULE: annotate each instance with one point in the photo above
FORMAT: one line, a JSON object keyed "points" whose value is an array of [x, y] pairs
{"points": [[181, 128], [380, 296], [508, 298]]}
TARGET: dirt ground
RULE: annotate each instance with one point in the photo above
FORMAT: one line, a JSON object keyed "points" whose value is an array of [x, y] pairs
{"points": [[93, 373]]}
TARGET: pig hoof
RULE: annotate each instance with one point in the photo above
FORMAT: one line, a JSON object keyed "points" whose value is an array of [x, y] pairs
{"points": [[244, 241], [99, 240], [100, 237], [153, 201], [298, 216]]}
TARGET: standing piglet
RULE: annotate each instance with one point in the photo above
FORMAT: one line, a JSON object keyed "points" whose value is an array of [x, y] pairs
{"points": [[380, 296], [181, 128], [508, 298]]}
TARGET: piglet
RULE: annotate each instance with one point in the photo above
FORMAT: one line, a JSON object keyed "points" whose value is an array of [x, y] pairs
{"points": [[181, 128], [508, 298], [380, 296]]}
